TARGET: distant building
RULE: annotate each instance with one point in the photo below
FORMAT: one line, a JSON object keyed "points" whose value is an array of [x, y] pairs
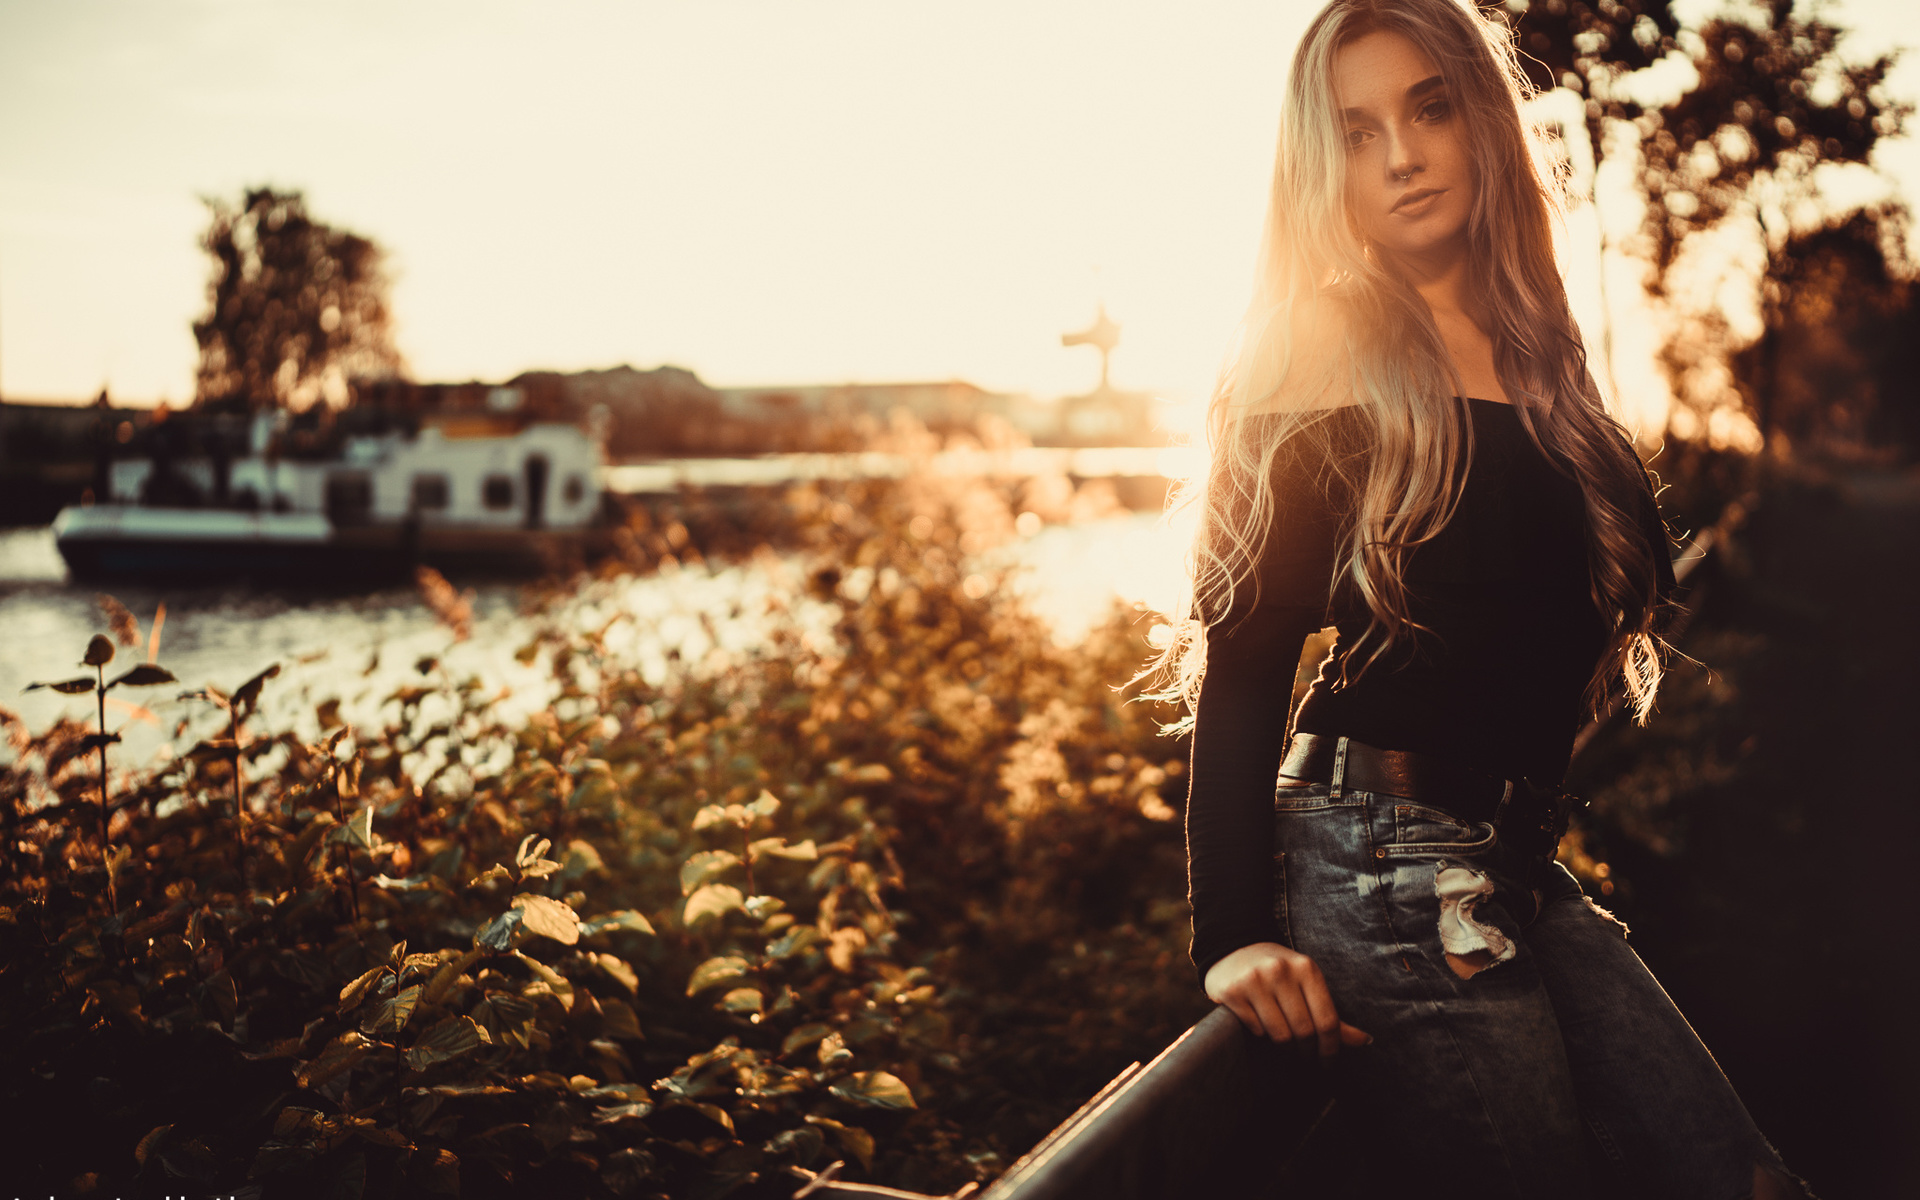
{"points": [[669, 411]]}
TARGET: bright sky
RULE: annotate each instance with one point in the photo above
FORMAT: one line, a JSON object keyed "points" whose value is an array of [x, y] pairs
{"points": [[802, 191]]}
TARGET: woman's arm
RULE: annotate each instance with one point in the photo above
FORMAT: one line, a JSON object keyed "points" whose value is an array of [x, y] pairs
{"points": [[1238, 739], [1239, 730]]}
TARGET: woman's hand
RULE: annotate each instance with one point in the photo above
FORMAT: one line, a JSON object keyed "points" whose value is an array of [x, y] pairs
{"points": [[1279, 993]]}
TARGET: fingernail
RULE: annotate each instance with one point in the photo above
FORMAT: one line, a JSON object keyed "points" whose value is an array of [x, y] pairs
{"points": [[1369, 1041]]}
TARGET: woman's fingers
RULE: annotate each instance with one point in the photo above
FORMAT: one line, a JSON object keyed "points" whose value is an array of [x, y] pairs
{"points": [[1273, 1022], [1277, 993], [1244, 1011], [1326, 1022], [1293, 1006]]}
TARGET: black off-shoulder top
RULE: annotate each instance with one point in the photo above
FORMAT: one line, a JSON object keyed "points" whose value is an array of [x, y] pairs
{"points": [[1495, 683]]}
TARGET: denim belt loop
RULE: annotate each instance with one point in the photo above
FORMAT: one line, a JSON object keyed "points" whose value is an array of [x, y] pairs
{"points": [[1339, 770]]}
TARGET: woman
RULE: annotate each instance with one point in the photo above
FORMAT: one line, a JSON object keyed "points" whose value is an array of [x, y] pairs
{"points": [[1409, 446]]}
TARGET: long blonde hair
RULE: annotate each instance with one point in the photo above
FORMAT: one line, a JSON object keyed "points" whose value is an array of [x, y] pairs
{"points": [[1319, 282]]}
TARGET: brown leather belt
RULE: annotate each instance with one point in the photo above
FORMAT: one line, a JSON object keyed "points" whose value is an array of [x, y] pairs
{"points": [[1526, 816]]}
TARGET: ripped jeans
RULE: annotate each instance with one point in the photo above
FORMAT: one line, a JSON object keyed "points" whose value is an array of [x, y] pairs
{"points": [[1557, 1068]]}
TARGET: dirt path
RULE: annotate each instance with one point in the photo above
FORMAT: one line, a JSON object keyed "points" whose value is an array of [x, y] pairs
{"points": [[1764, 830]]}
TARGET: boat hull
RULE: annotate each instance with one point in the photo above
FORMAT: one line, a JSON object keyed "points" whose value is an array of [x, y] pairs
{"points": [[126, 542]]}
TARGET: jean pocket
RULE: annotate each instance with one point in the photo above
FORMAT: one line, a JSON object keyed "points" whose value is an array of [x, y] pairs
{"points": [[1310, 795], [1418, 829]]}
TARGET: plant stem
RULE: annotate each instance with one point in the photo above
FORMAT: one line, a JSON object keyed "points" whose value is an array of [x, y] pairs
{"points": [[239, 799], [106, 817]]}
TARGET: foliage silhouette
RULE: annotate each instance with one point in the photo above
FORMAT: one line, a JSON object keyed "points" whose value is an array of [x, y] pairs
{"points": [[295, 307]]}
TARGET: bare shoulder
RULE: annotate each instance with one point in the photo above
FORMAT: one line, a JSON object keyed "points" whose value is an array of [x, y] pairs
{"points": [[1318, 374]]}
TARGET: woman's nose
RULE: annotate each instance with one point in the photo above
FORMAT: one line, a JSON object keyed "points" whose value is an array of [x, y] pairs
{"points": [[1403, 160]]}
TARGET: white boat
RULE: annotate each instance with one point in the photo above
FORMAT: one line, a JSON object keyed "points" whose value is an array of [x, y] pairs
{"points": [[460, 492]]}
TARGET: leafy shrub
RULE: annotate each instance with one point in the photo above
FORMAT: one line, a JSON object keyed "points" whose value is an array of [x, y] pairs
{"points": [[901, 887]]}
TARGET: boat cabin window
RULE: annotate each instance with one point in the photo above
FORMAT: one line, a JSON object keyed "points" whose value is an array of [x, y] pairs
{"points": [[349, 497], [429, 491], [576, 487], [496, 491]]}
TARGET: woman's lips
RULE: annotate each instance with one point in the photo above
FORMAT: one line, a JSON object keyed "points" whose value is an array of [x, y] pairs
{"points": [[1417, 202]]}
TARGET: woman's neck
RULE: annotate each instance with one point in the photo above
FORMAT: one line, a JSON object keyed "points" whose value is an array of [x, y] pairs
{"points": [[1441, 278], [1443, 281]]}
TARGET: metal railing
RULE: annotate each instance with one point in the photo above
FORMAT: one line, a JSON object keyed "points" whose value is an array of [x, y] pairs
{"points": [[1220, 1112]]}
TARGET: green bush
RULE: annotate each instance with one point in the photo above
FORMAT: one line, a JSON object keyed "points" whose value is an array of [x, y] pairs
{"points": [[901, 887]]}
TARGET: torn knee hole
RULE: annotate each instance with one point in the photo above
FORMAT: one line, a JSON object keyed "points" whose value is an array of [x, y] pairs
{"points": [[1604, 915]]}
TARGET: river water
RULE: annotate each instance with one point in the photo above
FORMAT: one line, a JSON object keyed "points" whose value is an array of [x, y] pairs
{"points": [[359, 647]]}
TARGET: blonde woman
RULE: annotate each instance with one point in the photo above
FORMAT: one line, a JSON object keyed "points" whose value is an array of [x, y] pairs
{"points": [[1409, 446]]}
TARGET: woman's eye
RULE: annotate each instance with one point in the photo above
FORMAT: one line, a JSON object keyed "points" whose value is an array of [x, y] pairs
{"points": [[1357, 138], [1436, 110]]}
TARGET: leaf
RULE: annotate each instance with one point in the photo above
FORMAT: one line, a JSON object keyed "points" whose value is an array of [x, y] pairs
{"points": [[449, 1039], [704, 867], [303, 846], [635, 1111], [438, 1172], [558, 984], [804, 1036], [716, 1114], [797, 940], [148, 1143], [620, 1020], [853, 1139], [548, 918], [706, 818], [341, 1053], [712, 900], [117, 863], [355, 992], [492, 873], [411, 883], [625, 918], [145, 675], [876, 1088], [99, 651], [392, 1014], [764, 806], [95, 741], [774, 847], [742, 1000], [248, 694], [622, 973], [497, 934], [833, 1050], [66, 687], [522, 856], [444, 978], [583, 859], [117, 999], [120, 622], [358, 831], [715, 971]]}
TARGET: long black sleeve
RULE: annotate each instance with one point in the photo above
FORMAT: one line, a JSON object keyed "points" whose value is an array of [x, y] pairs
{"points": [[1239, 734]]}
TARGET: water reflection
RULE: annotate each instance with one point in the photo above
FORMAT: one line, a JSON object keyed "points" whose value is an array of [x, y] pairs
{"points": [[360, 647]]}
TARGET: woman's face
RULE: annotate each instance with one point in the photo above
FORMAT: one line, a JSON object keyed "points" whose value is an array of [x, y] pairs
{"points": [[1410, 185]]}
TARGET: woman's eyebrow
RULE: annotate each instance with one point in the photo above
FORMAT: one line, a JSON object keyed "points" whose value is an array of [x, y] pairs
{"points": [[1431, 83]]}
